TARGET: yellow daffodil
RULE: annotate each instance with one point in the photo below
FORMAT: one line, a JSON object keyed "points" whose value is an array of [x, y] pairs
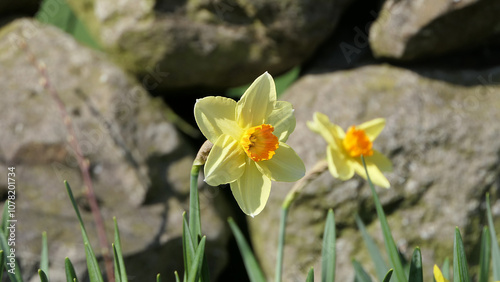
{"points": [[438, 275], [345, 149], [249, 143]]}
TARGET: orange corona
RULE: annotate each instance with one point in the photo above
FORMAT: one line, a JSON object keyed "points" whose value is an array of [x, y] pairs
{"points": [[356, 143], [259, 142]]}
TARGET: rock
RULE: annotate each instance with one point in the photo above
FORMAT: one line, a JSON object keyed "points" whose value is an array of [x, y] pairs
{"points": [[443, 139], [214, 44], [407, 30], [139, 163]]}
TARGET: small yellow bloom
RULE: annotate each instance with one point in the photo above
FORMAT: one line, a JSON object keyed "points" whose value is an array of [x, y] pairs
{"points": [[249, 143], [438, 275], [345, 149]]}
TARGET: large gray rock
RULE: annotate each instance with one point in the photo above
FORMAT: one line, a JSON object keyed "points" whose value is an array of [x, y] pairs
{"points": [[408, 30], [443, 139], [215, 44], [139, 163]]}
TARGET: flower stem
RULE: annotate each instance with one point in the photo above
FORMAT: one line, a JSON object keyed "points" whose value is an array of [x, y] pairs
{"points": [[316, 171], [194, 205]]}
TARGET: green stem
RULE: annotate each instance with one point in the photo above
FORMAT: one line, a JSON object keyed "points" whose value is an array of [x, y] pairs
{"points": [[316, 171], [194, 205]]}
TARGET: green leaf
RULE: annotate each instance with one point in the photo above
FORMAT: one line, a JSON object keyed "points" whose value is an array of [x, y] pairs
{"points": [[8, 255], [92, 265], [379, 262], [44, 261], [310, 275], [361, 275], [388, 276], [328, 250], [70, 271], [484, 256], [2, 262], [195, 270], [253, 269], [5, 218], [416, 274], [390, 246], [460, 273], [43, 276], [115, 264], [187, 246], [495, 250], [119, 254], [446, 268], [194, 206], [158, 277]]}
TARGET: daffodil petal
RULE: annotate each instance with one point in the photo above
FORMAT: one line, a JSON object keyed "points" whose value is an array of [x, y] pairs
{"points": [[257, 102], [332, 133], [339, 166], [438, 275], [381, 161], [216, 116], [226, 161], [282, 119], [373, 127], [376, 176], [251, 190], [285, 165]]}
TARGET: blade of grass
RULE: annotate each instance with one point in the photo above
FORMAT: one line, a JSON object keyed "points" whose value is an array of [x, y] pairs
{"points": [[44, 261], [5, 218], [119, 254], [70, 271], [484, 256], [379, 262], [495, 250], [253, 269], [328, 250], [43, 276], [361, 275], [158, 277], [194, 206], [310, 275], [197, 262], [92, 265], [416, 274], [388, 276], [460, 273], [390, 246]]}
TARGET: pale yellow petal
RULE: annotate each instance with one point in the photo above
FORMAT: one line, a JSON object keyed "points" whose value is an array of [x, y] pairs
{"points": [[257, 102], [282, 119], [216, 116], [381, 161], [285, 165], [340, 167], [251, 190], [373, 127], [438, 275], [376, 176], [332, 133], [226, 161]]}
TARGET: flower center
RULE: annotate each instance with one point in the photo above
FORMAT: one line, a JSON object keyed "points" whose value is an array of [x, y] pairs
{"points": [[356, 143], [259, 142]]}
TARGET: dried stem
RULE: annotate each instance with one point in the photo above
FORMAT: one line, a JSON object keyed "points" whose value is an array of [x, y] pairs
{"points": [[83, 163]]}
